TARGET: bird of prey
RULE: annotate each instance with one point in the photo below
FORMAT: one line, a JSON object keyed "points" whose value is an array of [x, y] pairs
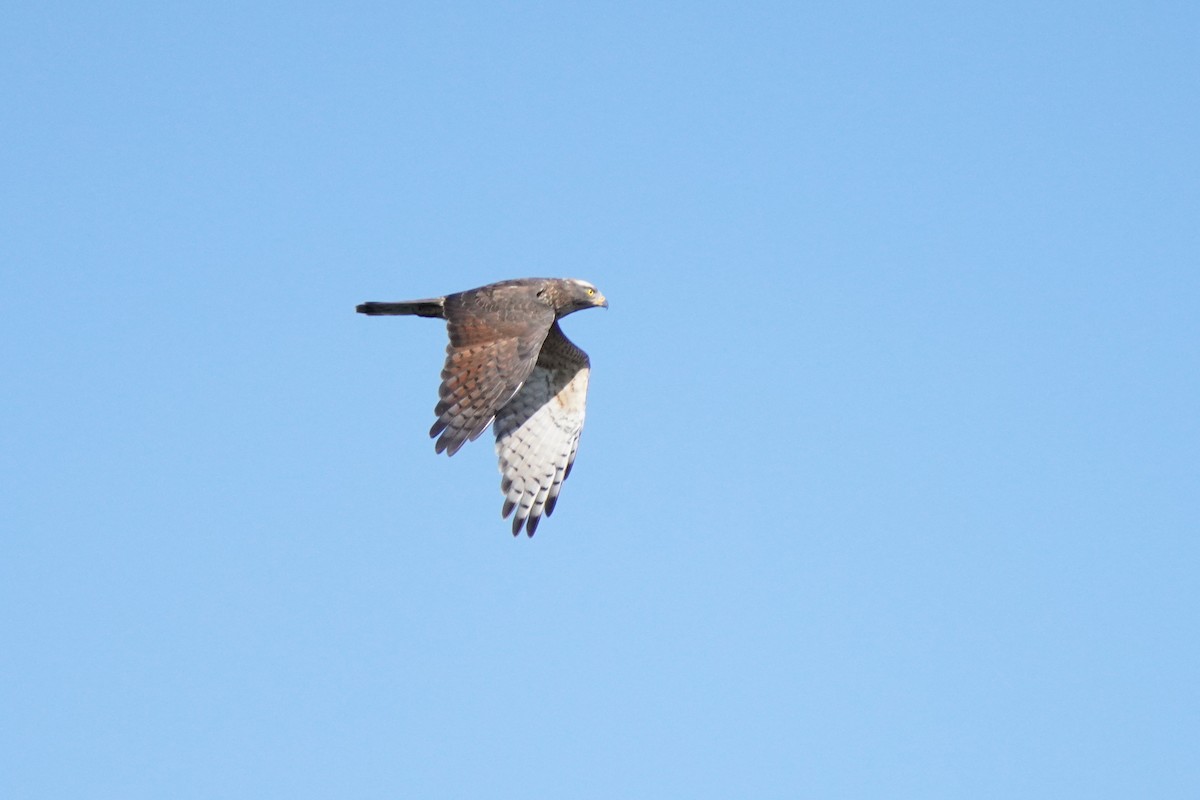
{"points": [[509, 362]]}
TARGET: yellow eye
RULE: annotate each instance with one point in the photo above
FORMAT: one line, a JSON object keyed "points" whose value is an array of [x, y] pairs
{"points": [[591, 292]]}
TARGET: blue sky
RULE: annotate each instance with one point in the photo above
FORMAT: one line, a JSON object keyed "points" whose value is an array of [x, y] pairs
{"points": [[889, 481]]}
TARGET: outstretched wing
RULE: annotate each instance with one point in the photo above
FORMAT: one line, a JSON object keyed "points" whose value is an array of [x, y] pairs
{"points": [[537, 432], [495, 336]]}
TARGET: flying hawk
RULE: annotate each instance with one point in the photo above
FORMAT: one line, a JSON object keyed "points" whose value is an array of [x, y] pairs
{"points": [[509, 362]]}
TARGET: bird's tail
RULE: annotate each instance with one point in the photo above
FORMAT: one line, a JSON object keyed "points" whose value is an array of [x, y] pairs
{"points": [[421, 308]]}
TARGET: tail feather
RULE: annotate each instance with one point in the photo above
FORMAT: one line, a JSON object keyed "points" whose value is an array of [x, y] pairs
{"points": [[420, 308]]}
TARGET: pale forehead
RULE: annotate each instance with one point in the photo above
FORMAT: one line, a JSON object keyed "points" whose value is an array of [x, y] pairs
{"points": [[582, 284]]}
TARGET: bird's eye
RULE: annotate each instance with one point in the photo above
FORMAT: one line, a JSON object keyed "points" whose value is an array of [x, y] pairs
{"points": [[591, 292]]}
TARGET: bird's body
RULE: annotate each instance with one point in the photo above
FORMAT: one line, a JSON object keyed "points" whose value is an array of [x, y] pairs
{"points": [[509, 362]]}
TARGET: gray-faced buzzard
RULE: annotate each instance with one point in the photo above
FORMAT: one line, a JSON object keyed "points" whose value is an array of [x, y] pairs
{"points": [[508, 361]]}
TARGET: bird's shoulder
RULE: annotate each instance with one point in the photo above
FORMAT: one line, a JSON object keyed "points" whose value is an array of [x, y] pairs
{"points": [[512, 305]]}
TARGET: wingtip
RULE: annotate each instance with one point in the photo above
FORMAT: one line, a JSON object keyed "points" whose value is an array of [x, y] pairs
{"points": [[519, 523]]}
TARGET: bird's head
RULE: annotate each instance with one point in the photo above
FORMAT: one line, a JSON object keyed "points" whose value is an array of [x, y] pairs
{"points": [[581, 295]]}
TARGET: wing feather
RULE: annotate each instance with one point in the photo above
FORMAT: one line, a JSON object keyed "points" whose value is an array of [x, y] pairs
{"points": [[537, 431], [492, 351]]}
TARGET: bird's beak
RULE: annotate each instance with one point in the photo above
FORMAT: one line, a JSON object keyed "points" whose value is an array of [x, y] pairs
{"points": [[601, 301]]}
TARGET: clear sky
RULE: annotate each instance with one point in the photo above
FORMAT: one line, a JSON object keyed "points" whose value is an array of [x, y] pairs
{"points": [[889, 486]]}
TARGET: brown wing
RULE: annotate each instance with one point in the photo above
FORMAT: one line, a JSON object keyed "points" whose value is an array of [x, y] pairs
{"points": [[495, 336], [537, 432]]}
